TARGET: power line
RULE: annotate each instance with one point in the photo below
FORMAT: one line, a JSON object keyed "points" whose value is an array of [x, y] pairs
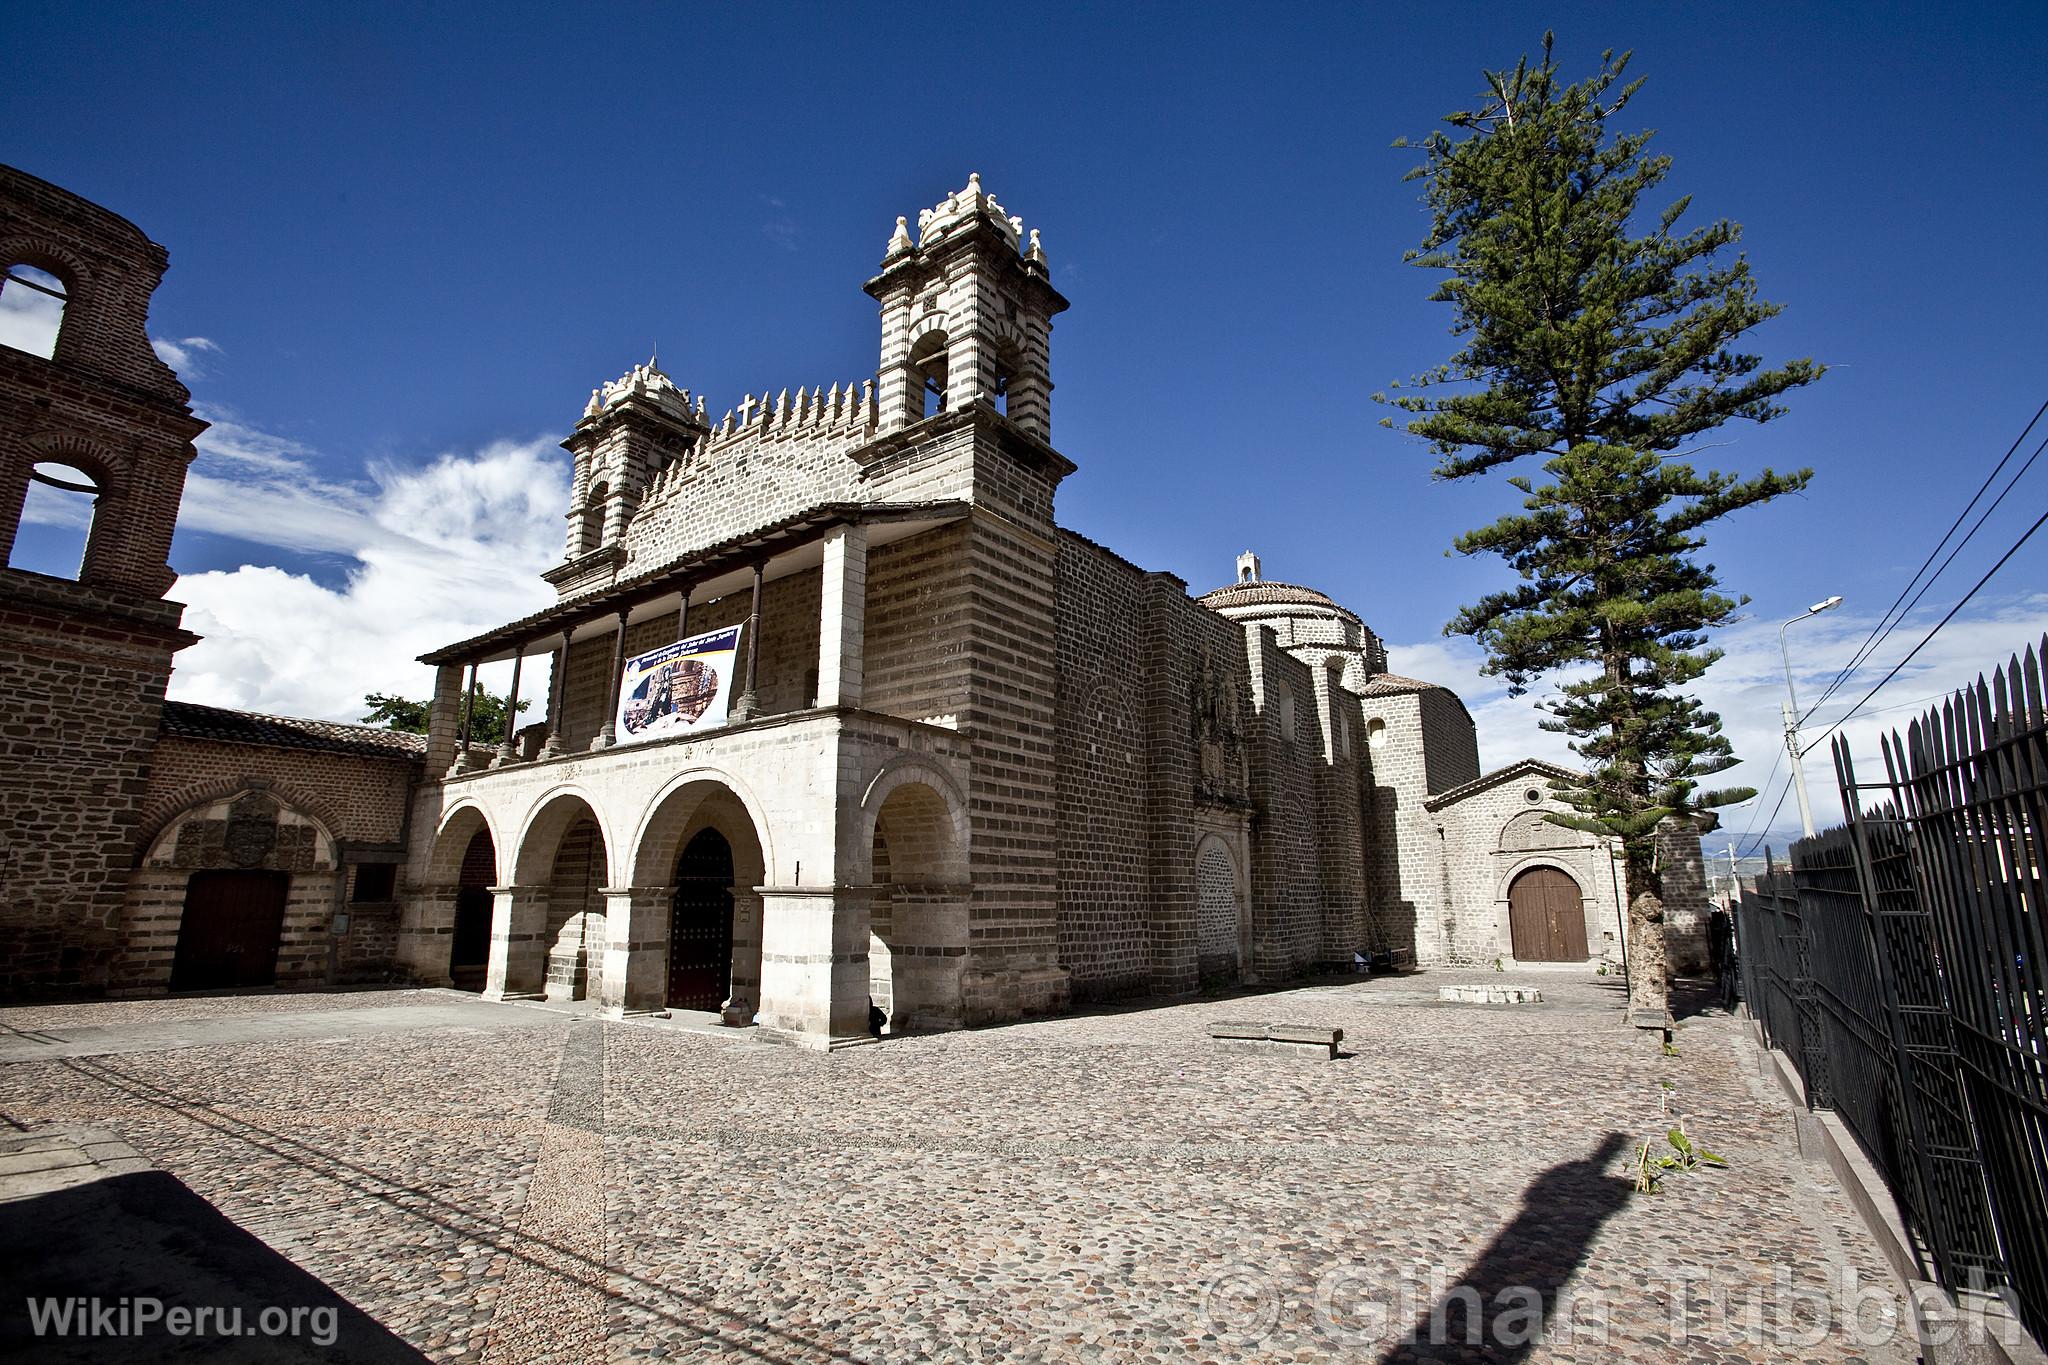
{"points": [[2029, 535], [1765, 832], [1886, 624]]}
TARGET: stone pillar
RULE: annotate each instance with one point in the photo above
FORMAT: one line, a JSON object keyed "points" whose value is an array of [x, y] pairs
{"points": [[635, 976], [508, 750], [746, 953], [444, 715], [426, 928], [683, 613], [749, 705], [927, 953], [841, 622], [462, 731], [519, 949], [814, 965], [556, 687], [608, 736]]}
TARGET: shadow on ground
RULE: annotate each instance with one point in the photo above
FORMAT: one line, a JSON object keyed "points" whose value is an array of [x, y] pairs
{"points": [[144, 1237], [1499, 1308]]}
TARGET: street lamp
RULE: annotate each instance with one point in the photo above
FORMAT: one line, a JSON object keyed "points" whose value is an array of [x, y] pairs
{"points": [[1792, 713]]}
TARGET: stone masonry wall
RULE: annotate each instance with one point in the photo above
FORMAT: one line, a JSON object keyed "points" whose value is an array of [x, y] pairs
{"points": [[84, 676], [1105, 827]]}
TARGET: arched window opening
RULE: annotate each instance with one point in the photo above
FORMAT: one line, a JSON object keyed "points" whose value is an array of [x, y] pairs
{"points": [[928, 366], [1283, 711], [31, 310], [56, 521], [593, 517], [1375, 733]]}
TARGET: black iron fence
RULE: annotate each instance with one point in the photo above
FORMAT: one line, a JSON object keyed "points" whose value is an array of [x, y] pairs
{"points": [[1900, 962]]}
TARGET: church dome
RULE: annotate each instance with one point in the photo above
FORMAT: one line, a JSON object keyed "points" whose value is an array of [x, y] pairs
{"points": [[1259, 593]]}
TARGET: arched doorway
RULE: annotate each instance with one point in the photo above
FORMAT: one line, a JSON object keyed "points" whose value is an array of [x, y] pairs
{"points": [[700, 924], [917, 918], [469, 953], [1547, 917], [1216, 913]]}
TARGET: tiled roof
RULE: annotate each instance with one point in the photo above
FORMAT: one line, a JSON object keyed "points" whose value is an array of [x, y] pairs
{"points": [[188, 720], [1535, 767], [1262, 593], [1392, 684]]}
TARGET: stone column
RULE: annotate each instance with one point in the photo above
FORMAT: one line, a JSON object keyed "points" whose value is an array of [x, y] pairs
{"points": [[609, 736], [745, 990], [749, 704], [426, 927], [814, 965], [461, 764], [928, 951], [635, 977], [683, 613], [508, 749], [444, 716], [841, 623], [519, 950], [556, 687]]}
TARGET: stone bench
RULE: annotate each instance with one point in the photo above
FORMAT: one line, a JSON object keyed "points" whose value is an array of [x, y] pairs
{"points": [[1300, 1039], [1490, 995]]}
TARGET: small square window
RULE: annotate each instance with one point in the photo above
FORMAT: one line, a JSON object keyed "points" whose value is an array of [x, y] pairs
{"points": [[376, 882]]}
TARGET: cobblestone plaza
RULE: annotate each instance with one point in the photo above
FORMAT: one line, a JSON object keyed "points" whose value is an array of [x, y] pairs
{"points": [[510, 1182]]}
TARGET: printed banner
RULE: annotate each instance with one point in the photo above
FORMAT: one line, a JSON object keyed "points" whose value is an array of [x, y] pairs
{"points": [[678, 688]]}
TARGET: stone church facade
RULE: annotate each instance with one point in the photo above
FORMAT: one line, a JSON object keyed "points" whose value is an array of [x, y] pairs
{"points": [[975, 766]]}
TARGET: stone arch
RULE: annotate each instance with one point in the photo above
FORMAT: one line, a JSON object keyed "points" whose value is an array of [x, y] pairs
{"points": [[1542, 927], [914, 828], [930, 369], [541, 831], [80, 469], [160, 842], [669, 819], [910, 770], [236, 888], [561, 869], [459, 824], [698, 922]]}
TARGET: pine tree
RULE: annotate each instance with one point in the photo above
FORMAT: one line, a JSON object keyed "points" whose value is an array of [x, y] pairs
{"points": [[1605, 356], [486, 717]]}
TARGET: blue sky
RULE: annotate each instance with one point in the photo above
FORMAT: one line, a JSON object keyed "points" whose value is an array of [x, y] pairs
{"points": [[413, 239]]}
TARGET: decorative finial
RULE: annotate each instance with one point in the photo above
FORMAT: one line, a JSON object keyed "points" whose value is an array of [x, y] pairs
{"points": [[1037, 247], [899, 240], [974, 184]]}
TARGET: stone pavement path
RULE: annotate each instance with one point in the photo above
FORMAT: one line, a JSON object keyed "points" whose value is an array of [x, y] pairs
{"points": [[506, 1183]]}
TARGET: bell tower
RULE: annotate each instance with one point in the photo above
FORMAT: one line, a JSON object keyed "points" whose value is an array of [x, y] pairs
{"points": [[967, 313], [632, 429]]}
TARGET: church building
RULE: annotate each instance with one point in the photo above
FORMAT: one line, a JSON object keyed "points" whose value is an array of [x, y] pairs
{"points": [[830, 711]]}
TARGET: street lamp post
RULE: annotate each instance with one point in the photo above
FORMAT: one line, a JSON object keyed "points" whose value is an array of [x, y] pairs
{"points": [[1792, 713]]}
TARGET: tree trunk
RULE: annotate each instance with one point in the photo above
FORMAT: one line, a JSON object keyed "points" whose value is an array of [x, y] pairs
{"points": [[1649, 981]]}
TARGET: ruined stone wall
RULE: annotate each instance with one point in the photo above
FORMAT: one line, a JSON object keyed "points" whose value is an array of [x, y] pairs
{"points": [[83, 665]]}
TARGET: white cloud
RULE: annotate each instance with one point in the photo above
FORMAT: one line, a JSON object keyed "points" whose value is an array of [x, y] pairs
{"points": [[441, 552], [183, 354], [1747, 687]]}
